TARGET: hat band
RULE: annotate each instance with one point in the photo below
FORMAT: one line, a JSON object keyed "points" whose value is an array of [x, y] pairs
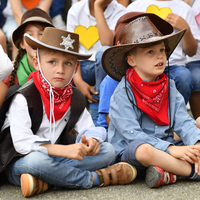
{"points": [[39, 19], [138, 31]]}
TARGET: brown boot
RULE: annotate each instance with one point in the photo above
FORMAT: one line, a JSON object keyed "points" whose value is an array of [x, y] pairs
{"points": [[31, 185], [118, 174]]}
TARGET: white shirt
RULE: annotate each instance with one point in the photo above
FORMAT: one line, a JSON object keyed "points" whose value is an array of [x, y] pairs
{"points": [[6, 65], [7, 11], [196, 10], [178, 7], [25, 141], [80, 20]]}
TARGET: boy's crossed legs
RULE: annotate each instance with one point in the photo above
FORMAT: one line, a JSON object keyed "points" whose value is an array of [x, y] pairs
{"points": [[161, 168], [68, 173]]}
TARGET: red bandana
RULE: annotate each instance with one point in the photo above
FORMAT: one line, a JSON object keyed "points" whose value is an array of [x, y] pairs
{"points": [[62, 96], [151, 97]]}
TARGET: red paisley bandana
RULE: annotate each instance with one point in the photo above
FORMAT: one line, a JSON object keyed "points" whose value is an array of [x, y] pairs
{"points": [[151, 97], [62, 96]]}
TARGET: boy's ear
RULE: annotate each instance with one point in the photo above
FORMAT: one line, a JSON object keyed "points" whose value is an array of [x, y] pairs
{"points": [[77, 66], [35, 64], [131, 61]]}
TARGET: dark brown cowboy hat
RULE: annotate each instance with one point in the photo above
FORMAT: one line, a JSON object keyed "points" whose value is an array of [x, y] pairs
{"points": [[59, 40], [135, 29], [31, 15]]}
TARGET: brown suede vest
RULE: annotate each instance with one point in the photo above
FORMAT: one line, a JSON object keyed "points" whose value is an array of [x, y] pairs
{"points": [[35, 107]]}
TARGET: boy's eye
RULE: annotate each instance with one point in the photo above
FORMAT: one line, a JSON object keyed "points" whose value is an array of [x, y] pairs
{"points": [[68, 63], [52, 62], [162, 50], [151, 51]]}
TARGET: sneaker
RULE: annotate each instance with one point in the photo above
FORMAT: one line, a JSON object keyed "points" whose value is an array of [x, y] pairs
{"points": [[31, 185], [118, 174], [156, 177]]}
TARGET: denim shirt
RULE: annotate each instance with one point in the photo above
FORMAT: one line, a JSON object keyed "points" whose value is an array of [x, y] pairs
{"points": [[128, 123]]}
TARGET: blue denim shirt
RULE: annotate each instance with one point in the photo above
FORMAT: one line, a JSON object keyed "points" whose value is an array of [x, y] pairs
{"points": [[125, 122]]}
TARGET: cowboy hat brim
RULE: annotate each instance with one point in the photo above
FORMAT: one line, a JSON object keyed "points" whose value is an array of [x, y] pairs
{"points": [[34, 43], [113, 59]]}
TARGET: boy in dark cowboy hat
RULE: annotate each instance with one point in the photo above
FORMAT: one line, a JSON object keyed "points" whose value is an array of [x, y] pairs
{"points": [[146, 107], [46, 159]]}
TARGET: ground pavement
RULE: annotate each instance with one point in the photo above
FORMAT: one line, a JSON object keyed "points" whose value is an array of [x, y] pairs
{"points": [[138, 190]]}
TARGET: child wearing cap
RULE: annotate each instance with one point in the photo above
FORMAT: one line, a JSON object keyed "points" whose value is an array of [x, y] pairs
{"points": [[146, 108], [33, 22], [13, 13], [49, 156]]}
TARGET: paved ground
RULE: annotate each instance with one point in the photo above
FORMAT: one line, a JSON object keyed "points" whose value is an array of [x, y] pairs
{"points": [[182, 190]]}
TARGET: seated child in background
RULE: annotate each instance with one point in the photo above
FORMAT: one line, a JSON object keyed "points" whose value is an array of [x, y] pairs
{"points": [[146, 108], [94, 21], [193, 64], [13, 13], [46, 159], [33, 22]]}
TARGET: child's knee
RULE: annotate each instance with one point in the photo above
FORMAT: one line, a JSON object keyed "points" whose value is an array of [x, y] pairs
{"points": [[144, 152], [108, 152], [36, 160]]}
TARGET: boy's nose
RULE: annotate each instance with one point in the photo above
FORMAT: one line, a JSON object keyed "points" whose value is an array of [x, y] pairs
{"points": [[60, 68]]}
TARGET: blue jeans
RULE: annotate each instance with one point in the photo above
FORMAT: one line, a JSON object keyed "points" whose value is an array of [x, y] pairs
{"points": [[183, 80], [60, 171], [93, 72], [194, 68]]}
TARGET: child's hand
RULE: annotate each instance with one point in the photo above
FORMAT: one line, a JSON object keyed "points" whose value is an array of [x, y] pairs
{"points": [[189, 153], [197, 163], [86, 89], [93, 145], [177, 21], [76, 151], [72, 151]]}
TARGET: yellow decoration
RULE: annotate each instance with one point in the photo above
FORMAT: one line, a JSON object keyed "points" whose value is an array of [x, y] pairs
{"points": [[87, 37], [161, 12]]}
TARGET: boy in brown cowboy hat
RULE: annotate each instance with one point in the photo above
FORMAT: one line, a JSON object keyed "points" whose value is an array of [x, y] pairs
{"points": [[146, 107], [47, 160]]}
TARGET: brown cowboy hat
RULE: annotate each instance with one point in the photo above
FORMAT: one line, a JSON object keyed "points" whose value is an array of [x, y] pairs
{"points": [[135, 29], [31, 15], [59, 40]]}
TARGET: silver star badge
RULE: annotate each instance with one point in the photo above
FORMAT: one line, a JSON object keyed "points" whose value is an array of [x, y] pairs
{"points": [[67, 42]]}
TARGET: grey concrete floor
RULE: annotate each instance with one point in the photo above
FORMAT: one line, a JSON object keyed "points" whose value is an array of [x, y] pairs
{"points": [[181, 190]]}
